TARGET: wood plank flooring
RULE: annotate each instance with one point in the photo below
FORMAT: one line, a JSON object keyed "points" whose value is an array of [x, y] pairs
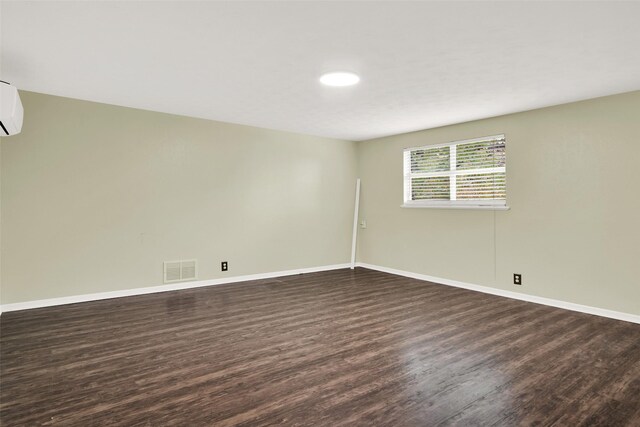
{"points": [[338, 348]]}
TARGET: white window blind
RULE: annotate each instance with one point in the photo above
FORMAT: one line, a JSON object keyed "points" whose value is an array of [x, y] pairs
{"points": [[470, 173]]}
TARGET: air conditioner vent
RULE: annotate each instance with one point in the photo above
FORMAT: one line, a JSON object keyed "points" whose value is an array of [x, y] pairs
{"points": [[180, 271]]}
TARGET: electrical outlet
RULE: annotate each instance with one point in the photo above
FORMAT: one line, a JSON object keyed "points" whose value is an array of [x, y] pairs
{"points": [[517, 279], [224, 265]]}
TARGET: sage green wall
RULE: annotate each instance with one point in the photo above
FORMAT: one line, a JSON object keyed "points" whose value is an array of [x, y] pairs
{"points": [[96, 197], [573, 185]]}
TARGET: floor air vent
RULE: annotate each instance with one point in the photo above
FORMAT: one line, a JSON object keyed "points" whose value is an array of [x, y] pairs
{"points": [[180, 271]]}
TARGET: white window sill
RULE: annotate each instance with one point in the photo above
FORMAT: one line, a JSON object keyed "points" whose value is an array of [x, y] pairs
{"points": [[477, 207]]}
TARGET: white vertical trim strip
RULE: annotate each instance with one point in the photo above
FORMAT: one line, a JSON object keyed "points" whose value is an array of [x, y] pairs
{"points": [[354, 237]]}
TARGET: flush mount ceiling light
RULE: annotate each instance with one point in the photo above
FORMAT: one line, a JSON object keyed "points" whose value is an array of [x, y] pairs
{"points": [[339, 78]]}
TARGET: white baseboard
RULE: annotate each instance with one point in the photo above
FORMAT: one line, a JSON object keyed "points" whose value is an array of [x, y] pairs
{"points": [[163, 288], [627, 317]]}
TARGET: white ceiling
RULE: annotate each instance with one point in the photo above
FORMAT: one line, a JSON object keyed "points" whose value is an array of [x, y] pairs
{"points": [[422, 64]]}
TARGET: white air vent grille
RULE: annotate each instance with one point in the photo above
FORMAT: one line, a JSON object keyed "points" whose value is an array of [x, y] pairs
{"points": [[180, 271]]}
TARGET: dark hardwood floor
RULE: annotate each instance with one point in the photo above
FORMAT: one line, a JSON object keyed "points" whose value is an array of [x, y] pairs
{"points": [[334, 348]]}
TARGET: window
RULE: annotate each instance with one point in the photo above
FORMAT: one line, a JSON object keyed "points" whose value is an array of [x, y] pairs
{"points": [[462, 174]]}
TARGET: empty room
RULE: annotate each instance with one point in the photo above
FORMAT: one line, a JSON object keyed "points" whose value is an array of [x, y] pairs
{"points": [[319, 213]]}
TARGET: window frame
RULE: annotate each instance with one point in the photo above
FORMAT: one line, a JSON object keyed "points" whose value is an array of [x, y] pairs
{"points": [[452, 173]]}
